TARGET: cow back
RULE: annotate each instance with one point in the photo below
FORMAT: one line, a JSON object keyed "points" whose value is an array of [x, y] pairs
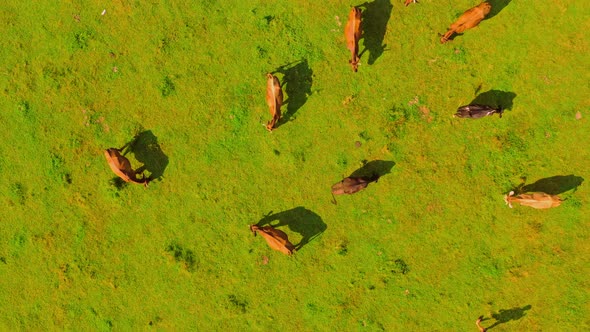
{"points": [[270, 94], [119, 164], [476, 111], [352, 30], [349, 185], [276, 239], [539, 200], [471, 17]]}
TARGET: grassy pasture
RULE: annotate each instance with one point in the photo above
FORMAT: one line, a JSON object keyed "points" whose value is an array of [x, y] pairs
{"points": [[429, 247]]}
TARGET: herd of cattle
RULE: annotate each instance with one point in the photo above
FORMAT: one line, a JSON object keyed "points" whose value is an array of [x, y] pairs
{"points": [[277, 239]]}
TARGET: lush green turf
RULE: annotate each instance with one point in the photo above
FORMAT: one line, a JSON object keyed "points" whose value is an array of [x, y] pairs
{"points": [[429, 247]]}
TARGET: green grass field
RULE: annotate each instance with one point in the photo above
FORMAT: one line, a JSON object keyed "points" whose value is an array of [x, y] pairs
{"points": [[429, 247]]}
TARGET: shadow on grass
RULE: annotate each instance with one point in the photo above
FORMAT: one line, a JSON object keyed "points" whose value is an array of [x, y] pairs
{"points": [[118, 183], [505, 316], [495, 99], [497, 6], [301, 220], [373, 26], [147, 151], [297, 80], [374, 168], [553, 185]]}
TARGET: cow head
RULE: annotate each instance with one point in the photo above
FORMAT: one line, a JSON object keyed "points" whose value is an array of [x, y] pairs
{"points": [[146, 180], [507, 198], [354, 64], [269, 126]]}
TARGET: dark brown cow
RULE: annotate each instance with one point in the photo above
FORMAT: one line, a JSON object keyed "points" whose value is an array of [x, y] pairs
{"points": [[468, 20], [274, 99], [534, 200], [351, 185], [477, 111], [122, 167], [352, 32], [275, 238]]}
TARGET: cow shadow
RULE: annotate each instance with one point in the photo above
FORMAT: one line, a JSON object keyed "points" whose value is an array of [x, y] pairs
{"points": [[147, 151], [497, 6], [374, 168], [373, 26], [297, 80], [300, 220], [505, 316], [495, 98], [554, 185]]}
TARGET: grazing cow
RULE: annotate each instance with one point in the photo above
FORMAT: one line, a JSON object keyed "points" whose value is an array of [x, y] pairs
{"points": [[468, 20], [534, 200], [352, 32], [351, 185], [122, 167], [275, 238], [410, 1], [477, 111], [274, 99]]}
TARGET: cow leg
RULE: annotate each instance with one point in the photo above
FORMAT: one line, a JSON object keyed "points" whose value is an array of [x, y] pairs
{"points": [[124, 146], [140, 170], [129, 145]]}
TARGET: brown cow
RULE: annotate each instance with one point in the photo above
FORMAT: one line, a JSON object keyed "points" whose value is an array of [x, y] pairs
{"points": [[351, 185], [122, 167], [275, 238], [468, 20], [352, 32], [476, 111], [410, 1], [535, 200], [274, 99]]}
